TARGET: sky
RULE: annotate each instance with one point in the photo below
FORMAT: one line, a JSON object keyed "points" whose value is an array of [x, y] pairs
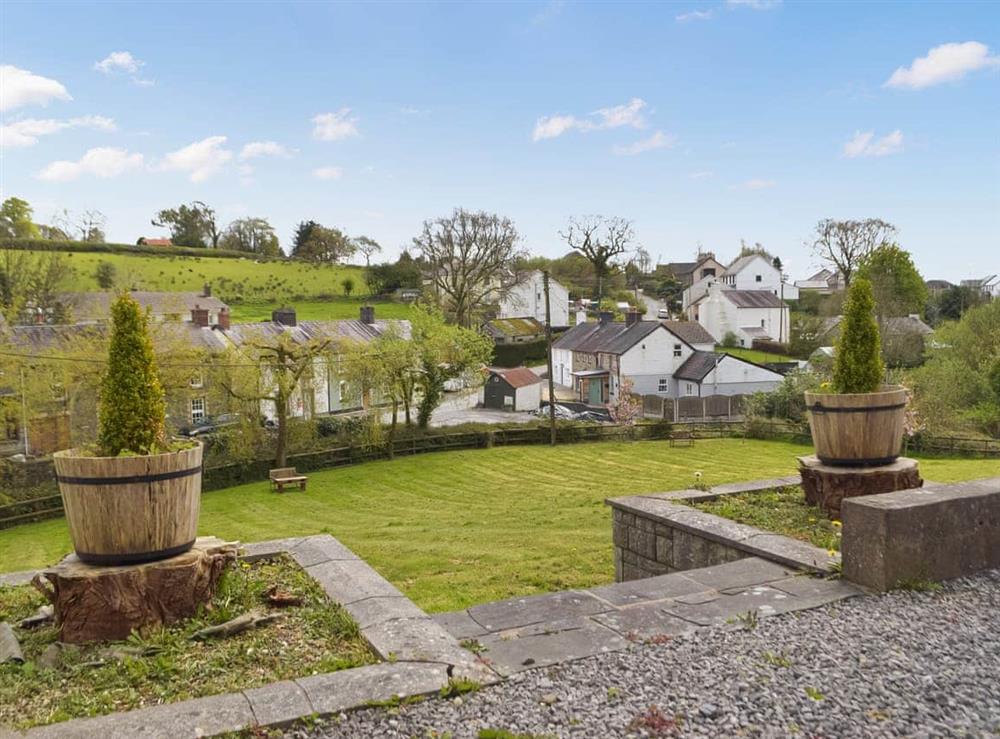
{"points": [[702, 122]]}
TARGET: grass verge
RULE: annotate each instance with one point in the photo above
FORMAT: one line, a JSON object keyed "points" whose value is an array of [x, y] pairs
{"points": [[164, 666]]}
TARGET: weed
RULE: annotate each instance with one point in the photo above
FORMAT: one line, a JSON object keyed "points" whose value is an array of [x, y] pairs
{"points": [[748, 620], [614, 694], [777, 660], [655, 722], [918, 585], [814, 693], [473, 646], [459, 686]]}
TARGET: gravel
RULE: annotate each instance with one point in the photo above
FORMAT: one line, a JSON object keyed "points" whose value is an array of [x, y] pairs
{"points": [[918, 664]]}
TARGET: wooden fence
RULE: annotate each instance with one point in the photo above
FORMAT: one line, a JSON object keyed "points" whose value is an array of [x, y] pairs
{"points": [[214, 478], [692, 408]]}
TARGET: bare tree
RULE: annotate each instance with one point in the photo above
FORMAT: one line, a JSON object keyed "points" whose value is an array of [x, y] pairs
{"points": [[600, 240], [368, 248], [471, 257], [846, 244], [91, 225]]}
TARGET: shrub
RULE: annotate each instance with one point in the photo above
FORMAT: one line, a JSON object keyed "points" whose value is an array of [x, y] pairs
{"points": [[132, 409], [857, 364], [105, 275], [730, 340]]}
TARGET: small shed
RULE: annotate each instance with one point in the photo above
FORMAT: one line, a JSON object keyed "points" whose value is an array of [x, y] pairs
{"points": [[515, 389]]}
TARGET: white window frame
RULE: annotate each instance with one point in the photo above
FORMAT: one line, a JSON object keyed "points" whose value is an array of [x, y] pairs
{"points": [[678, 350], [198, 379], [663, 385], [689, 387], [196, 413]]}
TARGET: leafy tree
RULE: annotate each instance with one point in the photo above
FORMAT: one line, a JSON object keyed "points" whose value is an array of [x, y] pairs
{"points": [[302, 233], [254, 235], [132, 409], [758, 248], [846, 244], [190, 225], [471, 257], [951, 304], [389, 277], [347, 284], [857, 364], [323, 244], [31, 282], [601, 240], [898, 288], [15, 220], [368, 248], [105, 275]]}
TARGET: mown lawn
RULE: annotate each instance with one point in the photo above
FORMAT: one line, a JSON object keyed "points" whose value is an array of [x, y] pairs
{"points": [[754, 355], [318, 310], [455, 528]]}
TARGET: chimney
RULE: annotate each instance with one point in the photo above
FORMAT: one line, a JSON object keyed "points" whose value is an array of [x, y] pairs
{"points": [[199, 316], [606, 316], [368, 314], [581, 317], [631, 317], [207, 290], [224, 319], [284, 316]]}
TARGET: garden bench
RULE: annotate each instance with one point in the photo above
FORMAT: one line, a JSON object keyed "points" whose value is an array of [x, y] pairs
{"points": [[286, 476], [682, 438]]}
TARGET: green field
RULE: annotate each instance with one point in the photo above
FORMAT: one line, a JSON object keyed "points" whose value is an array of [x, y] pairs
{"points": [[455, 528], [318, 310], [753, 355], [226, 275]]}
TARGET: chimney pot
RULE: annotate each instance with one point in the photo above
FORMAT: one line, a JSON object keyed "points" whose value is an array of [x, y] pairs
{"points": [[368, 314], [606, 316], [284, 316], [207, 290], [631, 317], [224, 322], [199, 316]]}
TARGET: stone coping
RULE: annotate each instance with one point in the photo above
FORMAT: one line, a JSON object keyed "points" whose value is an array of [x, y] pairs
{"points": [[666, 508], [419, 655]]}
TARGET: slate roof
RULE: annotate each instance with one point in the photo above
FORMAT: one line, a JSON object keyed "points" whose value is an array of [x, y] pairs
{"points": [[40, 338], [741, 262], [753, 298], [517, 376], [610, 337], [698, 365], [893, 326], [756, 332], [690, 331], [682, 268], [938, 284], [96, 306], [349, 330]]}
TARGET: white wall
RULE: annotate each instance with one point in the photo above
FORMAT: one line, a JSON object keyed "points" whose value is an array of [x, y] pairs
{"points": [[769, 279], [528, 299], [732, 376], [653, 359], [718, 315], [696, 290], [562, 366], [528, 398]]}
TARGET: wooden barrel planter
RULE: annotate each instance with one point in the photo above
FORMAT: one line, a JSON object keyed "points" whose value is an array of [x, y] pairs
{"points": [[857, 429], [124, 510]]}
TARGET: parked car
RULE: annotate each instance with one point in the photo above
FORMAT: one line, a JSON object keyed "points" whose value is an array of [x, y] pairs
{"points": [[211, 425], [663, 313]]}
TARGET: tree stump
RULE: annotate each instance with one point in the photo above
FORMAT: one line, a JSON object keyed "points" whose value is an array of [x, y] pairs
{"points": [[94, 603], [826, 486]]}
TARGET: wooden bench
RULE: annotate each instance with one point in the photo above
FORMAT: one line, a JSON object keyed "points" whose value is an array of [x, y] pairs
{"points": [[286, 476], [682, 438]]}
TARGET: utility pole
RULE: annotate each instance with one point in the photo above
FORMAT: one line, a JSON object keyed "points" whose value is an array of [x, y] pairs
{"points": [[548, 356]]}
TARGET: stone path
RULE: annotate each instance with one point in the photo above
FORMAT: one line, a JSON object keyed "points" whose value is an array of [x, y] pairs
{"points": [[524, 633]]}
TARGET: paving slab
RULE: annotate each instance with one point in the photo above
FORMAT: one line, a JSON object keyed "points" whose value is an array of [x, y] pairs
{"points": [[789, 551], [323, 548], [460, 624], [348, 581], [376, 610], [279, 703], [186, 720], [760, 599], [817, 590], [509, 614], [266, 549], [410, 639], [508, 656], [646, 621], [741, 573], [15, 579], [648, 589], [339, 691], [730, 488]]}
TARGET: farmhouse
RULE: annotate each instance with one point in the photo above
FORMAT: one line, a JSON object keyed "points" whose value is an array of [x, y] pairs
{"points": [[526, 298], [516, 389], [748, 314], [749, 272]]}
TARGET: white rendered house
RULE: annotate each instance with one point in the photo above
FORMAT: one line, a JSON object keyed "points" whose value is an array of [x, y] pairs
{"points": [[526, 299]]}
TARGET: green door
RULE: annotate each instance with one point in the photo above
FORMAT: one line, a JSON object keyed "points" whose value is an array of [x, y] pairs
{"points": [[595, 394]]}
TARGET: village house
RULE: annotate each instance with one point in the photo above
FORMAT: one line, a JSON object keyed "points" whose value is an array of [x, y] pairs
{"points": [[664, 358], [526, 299], [200, 308], [749, 315], [824, 282], [749, 272], [904, 338], [688, 273]]}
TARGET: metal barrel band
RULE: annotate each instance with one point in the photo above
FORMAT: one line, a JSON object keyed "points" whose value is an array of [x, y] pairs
{"points": [[859, 463], [154, 477], [133, 558], [820, 408]]}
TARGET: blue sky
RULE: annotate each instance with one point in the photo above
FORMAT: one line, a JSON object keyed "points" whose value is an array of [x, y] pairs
{"points": [[702, 122]]}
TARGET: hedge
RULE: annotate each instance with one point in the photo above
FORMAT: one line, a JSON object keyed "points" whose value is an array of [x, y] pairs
{"points": [[144, 249], [515, 355]]}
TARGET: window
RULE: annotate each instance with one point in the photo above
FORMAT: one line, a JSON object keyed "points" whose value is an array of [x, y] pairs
{"points": [[677, 350], [662, 386], [342, 391], [758, 278], [198, 379], [762, 323], [689, 388], [197, 409]]}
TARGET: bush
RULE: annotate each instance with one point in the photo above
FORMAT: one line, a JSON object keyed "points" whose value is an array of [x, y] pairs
{"points": [[857, 364], [101, 248], [730, 340], [132, 409], [515, 355], [105, 275]]}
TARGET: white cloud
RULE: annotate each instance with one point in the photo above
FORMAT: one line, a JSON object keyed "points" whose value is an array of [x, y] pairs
{"points": [[335, 126], [695, 15], [256, 149], [757, 184], [864, 144], [19, 87], [24, 133], [328, 173], [944, 63], [122, 62], [629, 114], [551, 10], [658, 140], [202, 159], [754, 4], [102, 162], [702, 175]]}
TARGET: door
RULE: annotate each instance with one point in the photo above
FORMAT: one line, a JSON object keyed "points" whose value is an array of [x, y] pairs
{"points": [[595, 396]]}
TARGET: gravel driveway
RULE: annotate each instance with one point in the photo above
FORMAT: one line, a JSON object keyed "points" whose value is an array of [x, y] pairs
{"points": [[903, 664]]}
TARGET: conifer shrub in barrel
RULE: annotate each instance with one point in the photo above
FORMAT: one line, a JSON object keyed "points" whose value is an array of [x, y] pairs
{"points": [[135, 496], [859, 422]]}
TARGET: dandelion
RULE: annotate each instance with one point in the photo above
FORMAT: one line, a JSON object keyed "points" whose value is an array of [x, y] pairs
{"points": [[836, 524], [697, 475], [832, 552], [812, 519]]}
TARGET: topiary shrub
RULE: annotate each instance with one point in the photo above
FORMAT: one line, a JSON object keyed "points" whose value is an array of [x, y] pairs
{"points": [[857, 364], [132, 407]]}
